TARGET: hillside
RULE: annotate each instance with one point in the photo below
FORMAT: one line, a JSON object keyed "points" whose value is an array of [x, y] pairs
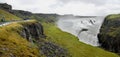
{"points": [[72, 44], [8, 16], [30, 38], [14, 45], [109, 36]]}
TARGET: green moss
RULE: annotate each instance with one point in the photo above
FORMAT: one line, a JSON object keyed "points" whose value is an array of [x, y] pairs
{"points": [[8, 16], [72, 44]]}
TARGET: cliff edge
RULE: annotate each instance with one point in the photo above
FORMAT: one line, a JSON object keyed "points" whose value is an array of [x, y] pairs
{"points": [[109, 36]]}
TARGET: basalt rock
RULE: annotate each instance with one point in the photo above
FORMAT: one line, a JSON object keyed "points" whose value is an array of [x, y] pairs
{"points": [[5, 6], [32, 31], [52, 50], [22, 14], [109, 36]]}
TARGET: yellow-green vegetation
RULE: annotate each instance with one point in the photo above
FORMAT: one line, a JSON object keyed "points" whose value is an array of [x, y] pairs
{"points": [[72, 44], [113, 16], [8, 16], [114, 32], [12, 44], [28, 22]]}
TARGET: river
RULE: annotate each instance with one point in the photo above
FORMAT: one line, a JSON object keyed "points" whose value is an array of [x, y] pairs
{"points": [[86, 29]]}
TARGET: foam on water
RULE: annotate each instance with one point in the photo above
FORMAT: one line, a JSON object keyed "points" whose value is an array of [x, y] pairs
{"points": [[86, 29]]}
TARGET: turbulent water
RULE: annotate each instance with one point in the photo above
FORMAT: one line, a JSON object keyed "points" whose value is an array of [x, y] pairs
{"points": [[86, 29]]}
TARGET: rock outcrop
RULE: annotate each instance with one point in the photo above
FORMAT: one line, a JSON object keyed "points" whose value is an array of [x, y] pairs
{"points": [[109, 36], [22, 14], [52, 50], [5, 6], [32, 31]]}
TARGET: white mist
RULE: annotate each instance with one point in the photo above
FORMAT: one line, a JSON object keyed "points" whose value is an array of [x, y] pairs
{"points": [[86, 29]]}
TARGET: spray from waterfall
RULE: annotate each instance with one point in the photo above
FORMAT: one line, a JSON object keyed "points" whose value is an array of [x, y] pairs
{"points": [[85, 28]]}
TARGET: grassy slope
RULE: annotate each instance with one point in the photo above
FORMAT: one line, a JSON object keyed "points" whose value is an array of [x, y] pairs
{"points": [[8, 16], [12, 44], [113, 17], [72, 44]]}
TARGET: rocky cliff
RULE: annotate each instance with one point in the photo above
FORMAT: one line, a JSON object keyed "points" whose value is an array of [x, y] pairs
{"points": [[109, 36], [34, 33], [5, 6]]}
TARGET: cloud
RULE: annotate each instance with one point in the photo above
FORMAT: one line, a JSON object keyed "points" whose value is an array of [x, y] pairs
{"points": [[85, 1], [96, 2], [76, 7], [86, 7], [2, 1]]}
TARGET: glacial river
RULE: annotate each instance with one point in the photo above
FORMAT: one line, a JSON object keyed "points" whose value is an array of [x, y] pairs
{"points": [[86, 29]]}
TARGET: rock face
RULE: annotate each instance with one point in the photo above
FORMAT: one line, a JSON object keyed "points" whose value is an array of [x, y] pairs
{"points": [[52, 50], [5, 6], [32, 31], [22, 14], [109, 36]]}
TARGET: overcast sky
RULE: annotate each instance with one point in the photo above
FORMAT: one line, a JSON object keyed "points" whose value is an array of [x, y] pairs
{"points": [[76, 7]]}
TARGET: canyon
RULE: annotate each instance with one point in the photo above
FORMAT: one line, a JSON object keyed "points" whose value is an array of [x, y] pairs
{"points": [[53, 35], [85, 28]]}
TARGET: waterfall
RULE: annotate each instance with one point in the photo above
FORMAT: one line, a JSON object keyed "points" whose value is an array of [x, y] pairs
{"points": [[86, 29]]}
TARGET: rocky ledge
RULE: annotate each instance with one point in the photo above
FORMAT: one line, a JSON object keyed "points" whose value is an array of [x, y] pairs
{"points": [[34, 33], [109, 36]]}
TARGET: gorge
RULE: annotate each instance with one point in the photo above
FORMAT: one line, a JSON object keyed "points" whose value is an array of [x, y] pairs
{"points": [[96, 31], [27, 34], [85, 28]]}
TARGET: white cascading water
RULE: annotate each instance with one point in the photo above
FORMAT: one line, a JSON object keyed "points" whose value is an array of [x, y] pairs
{"points": [[86, 29]]}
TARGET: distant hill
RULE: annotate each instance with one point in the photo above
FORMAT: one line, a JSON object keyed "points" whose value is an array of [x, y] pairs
{"points": [[5, 7], [38, 16], [8, 16], [35, 39]]}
